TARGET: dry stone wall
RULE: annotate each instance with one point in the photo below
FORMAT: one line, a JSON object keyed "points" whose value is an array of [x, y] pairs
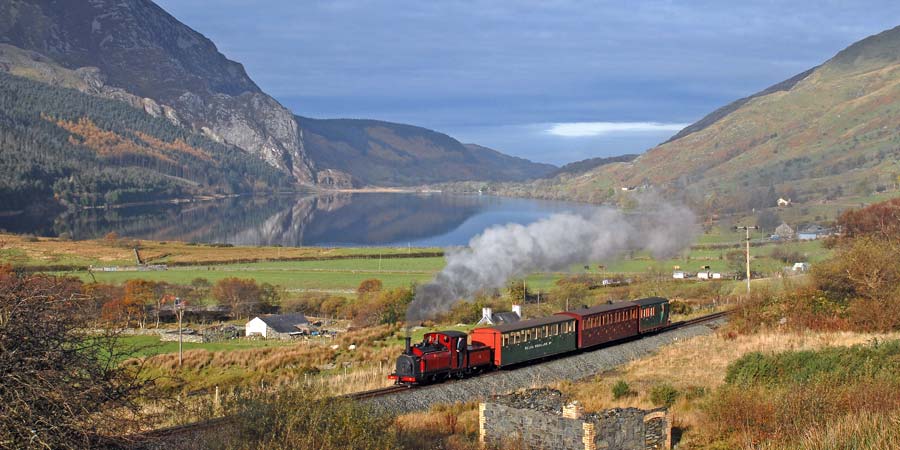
{"points": [[536, 419]]}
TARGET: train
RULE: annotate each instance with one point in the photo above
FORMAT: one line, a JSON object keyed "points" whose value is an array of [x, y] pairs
{"points": [[443, 355]]}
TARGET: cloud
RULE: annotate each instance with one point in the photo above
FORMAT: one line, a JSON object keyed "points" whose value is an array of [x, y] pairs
{"points": [[581, 129]]}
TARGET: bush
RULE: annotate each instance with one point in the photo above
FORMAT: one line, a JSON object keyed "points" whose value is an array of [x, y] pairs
{"points": [[301, 418], [664, 395], [679, 307], [836, 365], [621, 389]]}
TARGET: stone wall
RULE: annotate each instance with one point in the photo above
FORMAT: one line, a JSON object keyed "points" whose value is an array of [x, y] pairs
{"points": [[536, 419], [506, 427]]}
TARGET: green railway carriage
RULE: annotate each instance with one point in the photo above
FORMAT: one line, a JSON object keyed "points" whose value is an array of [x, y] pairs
{"points": [[654, 313], [527, 340]]}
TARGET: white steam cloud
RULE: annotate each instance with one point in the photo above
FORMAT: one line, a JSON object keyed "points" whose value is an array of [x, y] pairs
{"points": [[555, 243]]}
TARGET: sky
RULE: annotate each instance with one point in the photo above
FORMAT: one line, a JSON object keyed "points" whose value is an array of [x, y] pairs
{"points": [[553, 81]]}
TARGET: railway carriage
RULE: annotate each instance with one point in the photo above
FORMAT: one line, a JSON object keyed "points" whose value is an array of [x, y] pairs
{"points": [[528, 340], [605, 323], [654, 313]]}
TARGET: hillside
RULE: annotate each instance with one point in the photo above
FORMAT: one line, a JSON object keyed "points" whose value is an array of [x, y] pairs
{"points": [[585, 165], [392, 154], [830, 131], [133, 50], [58, 145]]}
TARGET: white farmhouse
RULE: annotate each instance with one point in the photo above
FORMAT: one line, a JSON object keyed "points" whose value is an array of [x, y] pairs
{"points": [[280, 326]]}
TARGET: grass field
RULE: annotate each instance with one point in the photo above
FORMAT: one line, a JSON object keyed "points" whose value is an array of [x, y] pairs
{"points": [[31, 251], [343, 276], [151, 345]]}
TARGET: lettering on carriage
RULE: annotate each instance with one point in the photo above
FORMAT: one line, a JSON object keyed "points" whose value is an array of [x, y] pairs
{"points": [[538, 345]]}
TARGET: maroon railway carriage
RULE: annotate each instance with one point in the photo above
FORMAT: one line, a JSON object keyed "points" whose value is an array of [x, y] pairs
{"points": [[605, 323], [440, 355]]}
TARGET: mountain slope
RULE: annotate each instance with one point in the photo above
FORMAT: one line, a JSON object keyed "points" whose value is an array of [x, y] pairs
{"points": [[392, 154], [831, 130], [134, 48], [61, 145]]}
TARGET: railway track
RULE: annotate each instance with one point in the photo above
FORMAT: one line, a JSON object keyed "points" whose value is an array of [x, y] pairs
{"points": [[174, 432], [377, 392]]}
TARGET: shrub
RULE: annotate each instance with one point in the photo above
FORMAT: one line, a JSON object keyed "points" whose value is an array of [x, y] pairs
{"points": [[680, 307], [835, 364], [621, 389], [664, 395], [301, 418]]}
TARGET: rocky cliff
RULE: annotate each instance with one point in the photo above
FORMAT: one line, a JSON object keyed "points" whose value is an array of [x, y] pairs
{"points": [[133, 50]]}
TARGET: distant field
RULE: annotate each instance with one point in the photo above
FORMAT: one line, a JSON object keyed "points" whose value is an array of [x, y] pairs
{"points": [[342, 276], [151, 345], [30, 251], [325, 275]]}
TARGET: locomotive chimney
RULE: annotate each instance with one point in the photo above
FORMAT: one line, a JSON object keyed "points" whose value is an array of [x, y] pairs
{"points": [[408, 340]]}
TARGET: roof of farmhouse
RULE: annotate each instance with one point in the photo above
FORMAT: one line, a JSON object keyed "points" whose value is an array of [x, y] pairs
{"points": [[284, 323]]}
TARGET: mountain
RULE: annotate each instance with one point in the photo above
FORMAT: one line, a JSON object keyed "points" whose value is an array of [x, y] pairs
{"points": [[59, 145], [133, 50], [585, 165], [392, 154], [829, 131]]}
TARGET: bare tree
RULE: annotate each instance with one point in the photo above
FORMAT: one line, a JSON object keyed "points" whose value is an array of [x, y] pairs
{"points": [[59, 386]]}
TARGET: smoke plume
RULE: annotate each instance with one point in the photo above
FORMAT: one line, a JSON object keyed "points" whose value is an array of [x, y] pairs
{"points": [[552, 244]]}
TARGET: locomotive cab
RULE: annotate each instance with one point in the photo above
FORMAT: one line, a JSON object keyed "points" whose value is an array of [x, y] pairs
{"points": [[440, 355]]}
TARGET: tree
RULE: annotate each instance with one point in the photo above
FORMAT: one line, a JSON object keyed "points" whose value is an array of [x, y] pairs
{"points": [[139, 294], [269, 296], [59, 389], [880, 220], [767, 220], [242, 296], [369, 286], [517, 290]]}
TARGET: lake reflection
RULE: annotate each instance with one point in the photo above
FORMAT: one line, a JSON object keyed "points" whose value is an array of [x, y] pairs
{"points": [[383, 219]]}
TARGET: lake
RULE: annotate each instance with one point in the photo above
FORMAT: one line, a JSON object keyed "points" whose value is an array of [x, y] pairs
{"points": [[357, 219]]}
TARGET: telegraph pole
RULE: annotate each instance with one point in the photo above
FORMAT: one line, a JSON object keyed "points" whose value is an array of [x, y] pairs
{"points": [[179, 311], [747, 239]]}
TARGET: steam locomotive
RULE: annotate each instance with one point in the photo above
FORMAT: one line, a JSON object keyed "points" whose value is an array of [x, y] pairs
{"points": [[454, 354]]}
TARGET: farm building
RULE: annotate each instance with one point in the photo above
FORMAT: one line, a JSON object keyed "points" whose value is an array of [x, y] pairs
{"points": [[280, 326], [813, 232], [784, 232], [488, 317]]}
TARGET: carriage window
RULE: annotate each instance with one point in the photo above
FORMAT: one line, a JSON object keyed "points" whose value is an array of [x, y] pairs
{"points": [[505, 340]]}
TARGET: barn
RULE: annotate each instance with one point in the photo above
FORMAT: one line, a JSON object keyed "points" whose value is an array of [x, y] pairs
{"points": [[281, 326]]}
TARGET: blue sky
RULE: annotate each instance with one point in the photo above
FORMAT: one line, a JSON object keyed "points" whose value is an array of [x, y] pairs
{"points": [[553, 81]]}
